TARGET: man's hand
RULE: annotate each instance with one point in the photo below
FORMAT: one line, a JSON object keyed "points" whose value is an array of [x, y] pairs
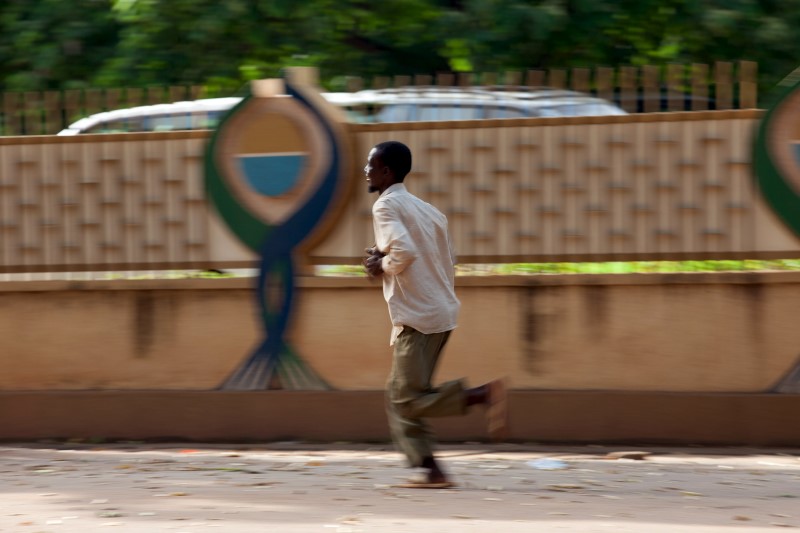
{"points": [[372, 263]]}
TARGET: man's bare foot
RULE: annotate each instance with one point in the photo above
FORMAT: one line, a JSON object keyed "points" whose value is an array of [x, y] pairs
{"points": [[497, 409], [495, 397]]}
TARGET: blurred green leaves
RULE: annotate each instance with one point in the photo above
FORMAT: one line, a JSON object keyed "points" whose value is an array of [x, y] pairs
{"points": [[47, 44]]}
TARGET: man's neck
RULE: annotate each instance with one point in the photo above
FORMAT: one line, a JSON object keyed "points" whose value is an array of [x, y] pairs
{"points": [[389, 186]]}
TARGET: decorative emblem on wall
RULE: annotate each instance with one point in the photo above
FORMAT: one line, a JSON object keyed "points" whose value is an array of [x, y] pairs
{"points": [[277, 170]]}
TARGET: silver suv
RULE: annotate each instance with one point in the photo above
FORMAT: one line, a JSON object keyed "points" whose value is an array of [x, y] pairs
{"points": [[408, 104]]}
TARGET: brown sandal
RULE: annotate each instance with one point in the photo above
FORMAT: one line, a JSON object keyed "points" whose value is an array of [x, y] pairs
{"points": [[423, 484]]}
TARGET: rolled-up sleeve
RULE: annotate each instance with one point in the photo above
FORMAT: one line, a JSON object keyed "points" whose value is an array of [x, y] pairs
{"points": [[392, 238]]}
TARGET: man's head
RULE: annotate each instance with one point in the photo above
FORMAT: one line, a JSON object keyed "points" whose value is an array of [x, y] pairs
{"points": [[388, 163]]}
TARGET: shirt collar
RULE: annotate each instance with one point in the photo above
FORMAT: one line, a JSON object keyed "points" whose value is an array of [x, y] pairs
{"points": [[395, 187]]}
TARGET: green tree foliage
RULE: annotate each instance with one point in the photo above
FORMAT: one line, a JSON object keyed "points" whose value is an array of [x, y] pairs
{"points": [[59, 44], [54, 43], [201, 40]]}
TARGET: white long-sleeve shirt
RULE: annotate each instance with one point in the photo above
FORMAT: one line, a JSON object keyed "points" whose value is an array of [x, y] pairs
{"points": [[419, 265]]}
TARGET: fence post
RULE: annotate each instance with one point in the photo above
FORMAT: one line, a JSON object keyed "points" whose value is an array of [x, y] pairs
{"points": [[134, 97], [353, 84], [557, 78], [627, 88], [423, 80], [723, 85], [513, 78], [604, 83], [12, 107], [675, 87], [651, 93], [33, 114], [113, 99], [381, 82], [748, 84], [179, 93], [534, 78], [699, 87], [445, 79], [488, 78], [154, 95], [196, 92], [92, 101], [401, 80], [53, 113], [72, 105], [580, 80]]}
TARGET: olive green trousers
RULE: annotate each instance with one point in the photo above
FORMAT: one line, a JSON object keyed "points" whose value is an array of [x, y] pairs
{"points": [[410, 397]]}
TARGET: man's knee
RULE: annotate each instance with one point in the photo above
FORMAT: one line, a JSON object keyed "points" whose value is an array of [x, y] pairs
{"points": [[402, 408]]}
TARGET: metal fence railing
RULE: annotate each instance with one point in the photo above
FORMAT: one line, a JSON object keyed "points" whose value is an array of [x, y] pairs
{"points": [[645, 89]]}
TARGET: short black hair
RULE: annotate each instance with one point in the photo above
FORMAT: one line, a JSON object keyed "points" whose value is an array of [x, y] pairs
{"points": [[396, 156]]}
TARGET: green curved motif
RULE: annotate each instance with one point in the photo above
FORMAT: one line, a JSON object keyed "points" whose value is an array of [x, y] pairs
{"points": [[779, 192]]}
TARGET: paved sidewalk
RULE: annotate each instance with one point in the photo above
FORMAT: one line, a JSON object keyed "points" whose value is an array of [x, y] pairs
{"points": [[296, 487]]}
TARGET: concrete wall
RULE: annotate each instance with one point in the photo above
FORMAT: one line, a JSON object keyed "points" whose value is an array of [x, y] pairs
{"points": [[651, 332], [663, 358]]}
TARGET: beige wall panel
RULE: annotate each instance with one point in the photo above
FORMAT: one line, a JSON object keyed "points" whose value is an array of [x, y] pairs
{"points": [[224, 246], [50, 191], [344, 336], [88, 202], [689, 166], [621, 337], [132, 203], [69, 177], [130, 339], [594, 188], [770, 233], [742, 194], [617, 146]]}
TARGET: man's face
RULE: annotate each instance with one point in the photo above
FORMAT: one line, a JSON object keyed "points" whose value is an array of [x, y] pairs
{"points": [[378, 175]]}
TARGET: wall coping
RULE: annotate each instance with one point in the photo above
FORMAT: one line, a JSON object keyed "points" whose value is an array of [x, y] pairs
{"points": [[351, 282], [633, 118]]}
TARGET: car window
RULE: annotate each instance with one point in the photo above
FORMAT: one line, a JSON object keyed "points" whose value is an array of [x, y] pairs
{"points": [[395, 113], [579, 110], [181, 121], [123, 125], [359, 114], [207, 120], [194, 120], [505, 112], [106, 127], [448, 112]]}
